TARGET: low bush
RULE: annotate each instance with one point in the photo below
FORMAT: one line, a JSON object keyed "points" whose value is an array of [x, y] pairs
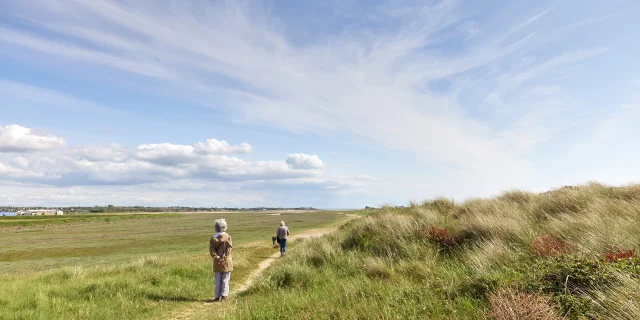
{"points": [[547, 245], [441, 236], [567, 278], [619, 255]]}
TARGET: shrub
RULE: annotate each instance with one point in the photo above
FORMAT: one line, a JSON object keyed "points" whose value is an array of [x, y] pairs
{"points": [[630, 265], [508, 304], [620, 255], [567, 279], [441, 236], [571, 274], [547, 245]]}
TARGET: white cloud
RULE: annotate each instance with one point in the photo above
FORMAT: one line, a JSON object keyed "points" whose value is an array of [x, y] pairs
{"points": [[213, 146], [165, 153], [304, 161], [169, 154], [372, 78], [21, 161], [8, 171], [14, 138], [104, 152], [349, 84], [163, 163]]}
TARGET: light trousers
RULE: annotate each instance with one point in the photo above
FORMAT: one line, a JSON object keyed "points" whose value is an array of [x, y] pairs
{"points": [[222, 283]]}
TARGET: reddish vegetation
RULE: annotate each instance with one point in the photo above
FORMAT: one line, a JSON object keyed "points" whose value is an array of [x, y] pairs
{"points": [[548, 245], [620, 255], [439, 235]]}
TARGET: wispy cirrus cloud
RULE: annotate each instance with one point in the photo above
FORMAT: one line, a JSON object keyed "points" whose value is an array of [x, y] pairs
{"points": [[473, 99], [349, 84]]}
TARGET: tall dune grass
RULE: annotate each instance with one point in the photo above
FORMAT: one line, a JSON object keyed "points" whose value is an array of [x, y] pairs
{"points": [[392, 264]]}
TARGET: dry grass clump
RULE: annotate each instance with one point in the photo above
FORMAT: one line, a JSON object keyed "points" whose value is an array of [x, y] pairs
{"points": [[547, 245], [508, 304]]}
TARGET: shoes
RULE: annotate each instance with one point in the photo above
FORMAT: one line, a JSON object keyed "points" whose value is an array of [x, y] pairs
{"points": [[223, 298], [216, 299]]}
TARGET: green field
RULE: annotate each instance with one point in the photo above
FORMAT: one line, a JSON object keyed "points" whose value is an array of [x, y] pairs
{"points": [[126, 266], [566, 254], [20, 222]]}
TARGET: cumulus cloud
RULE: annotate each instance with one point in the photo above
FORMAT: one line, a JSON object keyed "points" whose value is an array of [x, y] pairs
{"points": [[304, 161], [213, 146], [114, 164], [21, 161], [14, 138], [17, 173], [165, 153], [100, 152], [173, 154]]}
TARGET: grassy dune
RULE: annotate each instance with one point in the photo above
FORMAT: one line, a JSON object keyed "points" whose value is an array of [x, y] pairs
{"points": [[562, 254], [128, 268]]}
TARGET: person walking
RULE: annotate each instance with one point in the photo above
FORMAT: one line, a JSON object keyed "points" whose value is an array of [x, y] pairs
{"points": [[282, 234], [220, 250]]}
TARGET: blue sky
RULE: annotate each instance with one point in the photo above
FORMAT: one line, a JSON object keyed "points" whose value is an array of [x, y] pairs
{"points": [[303, 103]]}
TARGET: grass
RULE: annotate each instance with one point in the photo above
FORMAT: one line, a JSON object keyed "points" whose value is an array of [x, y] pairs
{"points": [[566, 253], [129, 268], [19, 222]]}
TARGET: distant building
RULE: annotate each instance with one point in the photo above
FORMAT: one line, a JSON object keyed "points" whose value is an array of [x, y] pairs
{"points": [[44, 212]]}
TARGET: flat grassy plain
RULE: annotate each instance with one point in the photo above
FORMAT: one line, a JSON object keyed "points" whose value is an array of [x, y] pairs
{"points": [[126, 266]]}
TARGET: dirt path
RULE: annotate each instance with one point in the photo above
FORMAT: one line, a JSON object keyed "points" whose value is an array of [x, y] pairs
{"points": [[267, 262], [194, 308]]}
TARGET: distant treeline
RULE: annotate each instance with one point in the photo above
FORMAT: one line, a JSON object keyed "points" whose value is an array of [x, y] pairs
{"points": [[112, 208]]}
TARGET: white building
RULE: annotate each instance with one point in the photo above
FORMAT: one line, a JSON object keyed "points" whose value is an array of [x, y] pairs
{"points": [[43, 212]]}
